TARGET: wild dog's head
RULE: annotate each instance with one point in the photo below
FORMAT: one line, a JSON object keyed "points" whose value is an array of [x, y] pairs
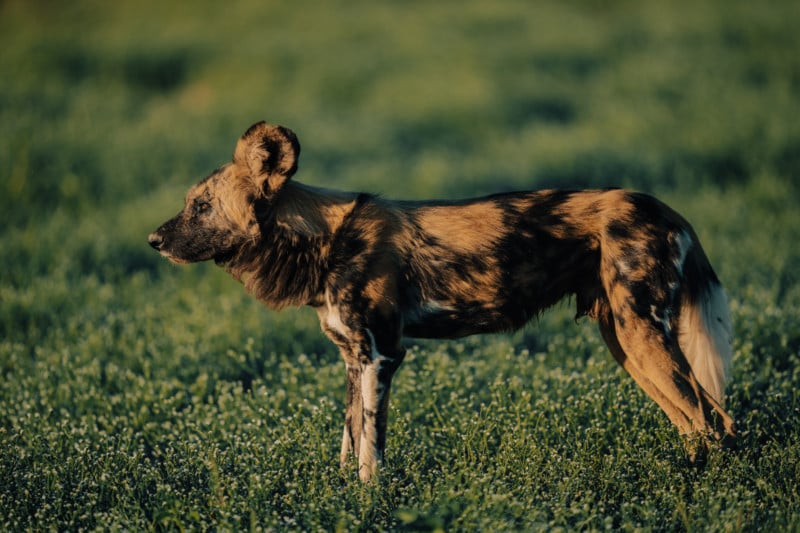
{"points": [[219, 214]]}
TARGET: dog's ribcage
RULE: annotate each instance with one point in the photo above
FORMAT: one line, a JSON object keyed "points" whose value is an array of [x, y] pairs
{"points": [[489, 265]]}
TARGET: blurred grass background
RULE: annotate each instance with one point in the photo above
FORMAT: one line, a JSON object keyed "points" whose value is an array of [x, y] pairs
{"points": [[117, 366]]}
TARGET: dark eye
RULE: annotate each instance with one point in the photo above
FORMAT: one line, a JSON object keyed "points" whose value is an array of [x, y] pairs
{"points": [[201, 206]]}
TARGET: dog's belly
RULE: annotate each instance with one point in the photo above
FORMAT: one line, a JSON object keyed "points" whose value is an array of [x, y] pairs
{"points": [[444, 320]]}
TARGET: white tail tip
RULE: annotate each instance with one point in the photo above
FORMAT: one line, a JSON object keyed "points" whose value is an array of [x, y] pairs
{"points": [[705, 334]]}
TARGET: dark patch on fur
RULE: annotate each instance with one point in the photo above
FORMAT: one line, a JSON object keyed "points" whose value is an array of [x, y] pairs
{"points": [[272, 147], [619, 230]]}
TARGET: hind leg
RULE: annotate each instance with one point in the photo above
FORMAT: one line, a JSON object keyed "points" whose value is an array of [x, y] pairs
{"points": [[610, 337], [659, 367]]}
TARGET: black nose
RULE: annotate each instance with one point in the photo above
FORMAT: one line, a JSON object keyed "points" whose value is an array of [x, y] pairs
{"points": [[155, 240]]}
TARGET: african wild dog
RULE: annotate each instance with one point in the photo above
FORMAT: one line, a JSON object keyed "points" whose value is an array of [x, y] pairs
{"points": [[377, 270]]}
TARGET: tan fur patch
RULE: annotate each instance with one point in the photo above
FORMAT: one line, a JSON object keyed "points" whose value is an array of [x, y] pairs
{"points": [[465, 228], [233, 192]]}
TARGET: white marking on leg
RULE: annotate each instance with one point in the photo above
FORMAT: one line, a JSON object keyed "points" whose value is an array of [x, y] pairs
{"points": [[372, 392], [346, 445], [333, 319]]}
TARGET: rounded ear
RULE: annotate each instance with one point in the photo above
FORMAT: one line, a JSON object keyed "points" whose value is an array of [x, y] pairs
{"points": [[270, 155]]}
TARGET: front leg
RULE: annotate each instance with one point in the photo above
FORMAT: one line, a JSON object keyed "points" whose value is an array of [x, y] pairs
{"points": [[351, 439], [340, 332], [369, 339], [376, 381]]}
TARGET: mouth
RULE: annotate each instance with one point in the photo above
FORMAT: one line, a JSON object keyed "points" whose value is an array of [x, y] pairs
{"points": [[174, 259], [186, 254]]}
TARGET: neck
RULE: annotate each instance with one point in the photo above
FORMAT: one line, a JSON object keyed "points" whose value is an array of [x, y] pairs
{"points": [[287, 263]]}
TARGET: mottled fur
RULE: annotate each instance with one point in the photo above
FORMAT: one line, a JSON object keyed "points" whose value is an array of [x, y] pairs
{"points": [[377, 270]]}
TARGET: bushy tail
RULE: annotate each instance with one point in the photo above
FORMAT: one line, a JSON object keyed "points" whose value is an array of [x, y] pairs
{"points": [[705, 336]]}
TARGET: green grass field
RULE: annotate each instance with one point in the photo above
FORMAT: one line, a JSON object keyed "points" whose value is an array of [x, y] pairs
{"points": [[136, 395]]}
